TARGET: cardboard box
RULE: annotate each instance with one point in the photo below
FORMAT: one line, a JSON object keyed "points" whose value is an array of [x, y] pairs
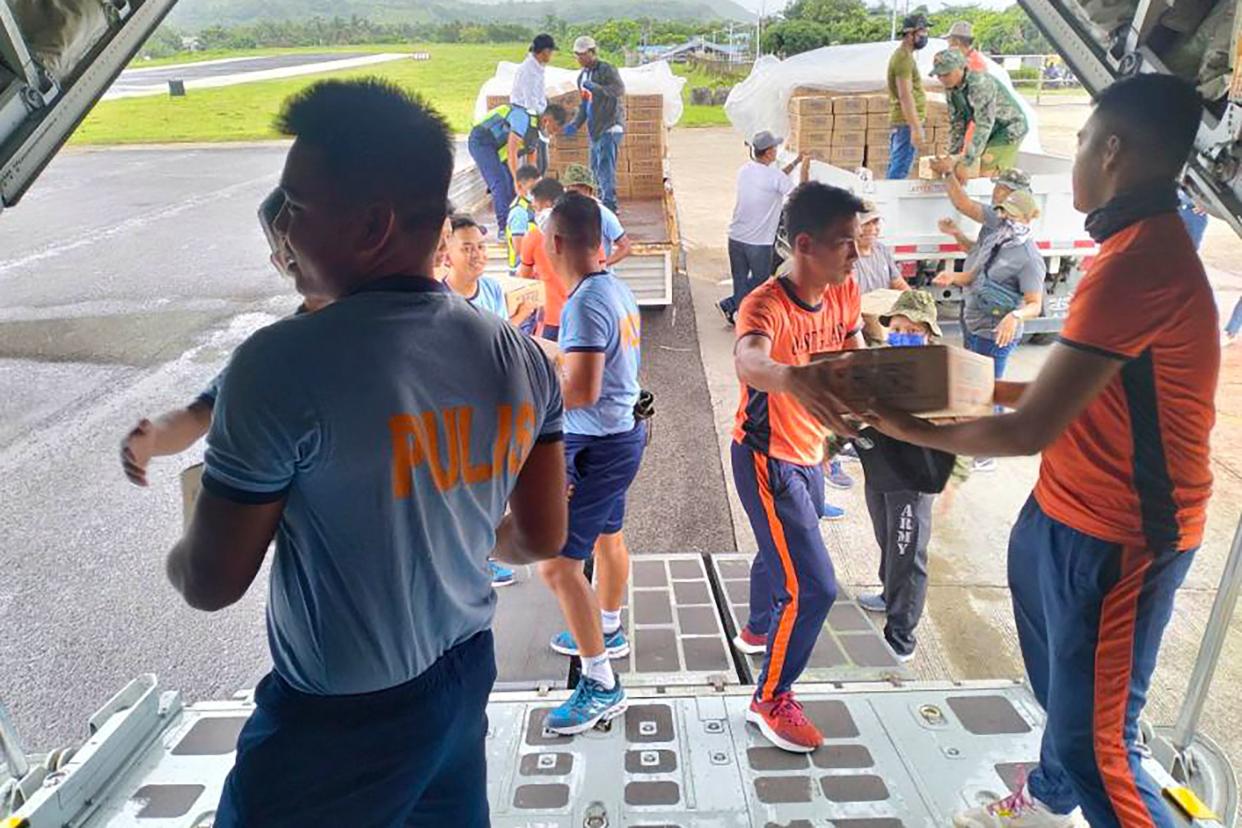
{"points": [[852, 156], [878, 103], [879, 121], [876, 143], [810, 106], [651, 105], [812, 123], [850, 122], [191, 483], [853, 105], [849, 138], [937, 112], [642, 151], [812, 140], [518, 290], [642, 185], [811, 92], [932, 381]]}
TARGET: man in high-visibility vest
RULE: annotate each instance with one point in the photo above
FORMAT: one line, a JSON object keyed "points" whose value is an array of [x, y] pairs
{"points": [[505, 139]]}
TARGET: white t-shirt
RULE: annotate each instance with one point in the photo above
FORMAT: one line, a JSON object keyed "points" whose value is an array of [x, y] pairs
{"points": [[528, 86], [761, 191]]}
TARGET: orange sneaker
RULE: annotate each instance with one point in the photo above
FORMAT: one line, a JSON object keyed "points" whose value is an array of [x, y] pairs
{"points": [[784, 724]]}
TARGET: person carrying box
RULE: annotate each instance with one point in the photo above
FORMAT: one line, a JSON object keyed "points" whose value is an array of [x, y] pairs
{"points": [[978, 98], [902, 481]]}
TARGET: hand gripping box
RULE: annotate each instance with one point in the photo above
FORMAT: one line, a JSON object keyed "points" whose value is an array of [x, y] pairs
{"points": [[933, 381]]}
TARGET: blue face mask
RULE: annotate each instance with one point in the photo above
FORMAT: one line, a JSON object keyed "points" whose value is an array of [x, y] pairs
{"points": [[906, 340]]}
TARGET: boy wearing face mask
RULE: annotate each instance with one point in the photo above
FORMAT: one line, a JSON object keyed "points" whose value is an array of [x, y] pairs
{"points": [[901, 486], [907, 106]]}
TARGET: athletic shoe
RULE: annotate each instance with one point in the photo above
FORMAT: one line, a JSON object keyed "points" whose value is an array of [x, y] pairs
{"points": [[1018, 810], [784, 724], [750, 643], [848, 452], [836, 477], [588, 706], [502, 576], [615, 645], [904, 658], [983, 464], [873, 603], [832, 512], [726, 313]]}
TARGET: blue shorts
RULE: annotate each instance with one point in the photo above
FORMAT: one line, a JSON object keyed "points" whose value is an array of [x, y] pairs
{"points": [[600, 471], [409, 755]]}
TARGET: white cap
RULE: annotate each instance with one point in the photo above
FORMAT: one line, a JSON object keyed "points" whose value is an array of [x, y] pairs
{"points": [[584, 44]]}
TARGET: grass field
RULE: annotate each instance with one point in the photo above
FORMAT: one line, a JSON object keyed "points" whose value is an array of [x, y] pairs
{"points": [[450, 81]]}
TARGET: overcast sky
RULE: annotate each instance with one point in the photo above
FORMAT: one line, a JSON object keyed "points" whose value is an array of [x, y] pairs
{"points": [[773, 5]]}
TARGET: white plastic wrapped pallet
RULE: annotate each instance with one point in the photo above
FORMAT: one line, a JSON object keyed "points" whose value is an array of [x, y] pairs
{"points": [[762, 100], [653, 79]]}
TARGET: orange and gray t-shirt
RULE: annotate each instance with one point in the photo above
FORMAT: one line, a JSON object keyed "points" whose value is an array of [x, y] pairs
{"points": [[776, 424], [1134, 467]]}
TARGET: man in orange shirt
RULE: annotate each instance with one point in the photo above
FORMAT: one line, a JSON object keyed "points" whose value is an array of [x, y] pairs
{"points": [[1122, 412], [778, 447], [535, 263]]}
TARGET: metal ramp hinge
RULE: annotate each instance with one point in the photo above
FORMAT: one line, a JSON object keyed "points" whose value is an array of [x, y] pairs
{"points": [[543, 689], [717, 682]]}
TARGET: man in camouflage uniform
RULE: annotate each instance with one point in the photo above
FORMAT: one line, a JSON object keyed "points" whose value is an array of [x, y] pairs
{"points": [[999, 122]]}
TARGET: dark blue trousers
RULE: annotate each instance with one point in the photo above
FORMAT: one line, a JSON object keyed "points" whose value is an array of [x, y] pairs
{"points": [[792, 582], [1090, 616], [412, 755], [495, 175]]}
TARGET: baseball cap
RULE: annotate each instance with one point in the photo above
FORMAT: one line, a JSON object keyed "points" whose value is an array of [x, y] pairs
{"points": [[917, 306], [579, 175], [870, 212], [913, 22], [961, 28], [765, 141], [584, 44], [1013, 178], [948, 60], [1020, 205]]}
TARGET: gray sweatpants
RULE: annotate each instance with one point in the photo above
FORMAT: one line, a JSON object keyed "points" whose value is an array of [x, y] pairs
{"points": [[902, 523]]}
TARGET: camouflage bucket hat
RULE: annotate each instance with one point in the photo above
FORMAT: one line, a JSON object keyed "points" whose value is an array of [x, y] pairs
{"points": [[948, 60], [579, 175], [1014, 179], [1020, 205], [917, 306]]}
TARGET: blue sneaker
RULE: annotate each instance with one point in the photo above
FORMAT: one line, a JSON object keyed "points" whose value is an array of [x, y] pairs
{"points": [[837, 478], [588, 706], [502, 576], [832, 512], [615, 645]]}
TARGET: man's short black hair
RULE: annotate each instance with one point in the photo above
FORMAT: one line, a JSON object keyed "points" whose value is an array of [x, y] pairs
{"points": [[577, 220], [527, 172], [1160, 113], [463, 221], [557, 113], [378, 142], [813, 206], [548, 189], [542, 43]]}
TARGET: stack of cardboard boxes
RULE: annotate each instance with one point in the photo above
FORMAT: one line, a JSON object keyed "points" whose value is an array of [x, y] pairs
{"points": [[640, 162], [852, 130]]}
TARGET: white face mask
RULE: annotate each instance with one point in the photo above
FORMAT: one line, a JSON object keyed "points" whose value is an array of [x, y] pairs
{"points": [[541, 219]]}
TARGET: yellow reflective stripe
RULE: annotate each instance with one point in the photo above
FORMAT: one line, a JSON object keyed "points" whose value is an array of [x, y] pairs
{"points": [[1190, 804]]}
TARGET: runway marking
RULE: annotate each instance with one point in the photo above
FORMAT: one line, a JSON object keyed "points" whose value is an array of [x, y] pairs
{"points": [[130, 225]]}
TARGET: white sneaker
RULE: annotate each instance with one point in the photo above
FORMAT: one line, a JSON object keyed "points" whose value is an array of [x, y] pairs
{"points": [[1018, 810]]}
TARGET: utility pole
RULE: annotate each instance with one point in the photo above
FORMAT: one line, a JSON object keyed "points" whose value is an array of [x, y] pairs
{"points": [[893, 31]]}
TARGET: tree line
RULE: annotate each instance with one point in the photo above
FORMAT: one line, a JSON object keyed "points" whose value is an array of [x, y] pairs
{"points": [[810, 24], [612, 35]]}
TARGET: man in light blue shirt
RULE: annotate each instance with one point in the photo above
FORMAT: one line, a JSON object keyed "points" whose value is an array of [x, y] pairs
{"points": [[579, 179], [601, 340], [467, 256], [378, 442]]}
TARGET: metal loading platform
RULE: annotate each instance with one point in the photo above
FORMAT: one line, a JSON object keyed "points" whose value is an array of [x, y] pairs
{"points": [[896, 753]]}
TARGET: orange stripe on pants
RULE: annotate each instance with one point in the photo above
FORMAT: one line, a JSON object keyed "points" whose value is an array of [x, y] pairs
{"points": [[1114, 657], [789, 613]]}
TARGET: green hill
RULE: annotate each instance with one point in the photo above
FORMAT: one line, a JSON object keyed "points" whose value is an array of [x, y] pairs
{"points": [[198, 14]]}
